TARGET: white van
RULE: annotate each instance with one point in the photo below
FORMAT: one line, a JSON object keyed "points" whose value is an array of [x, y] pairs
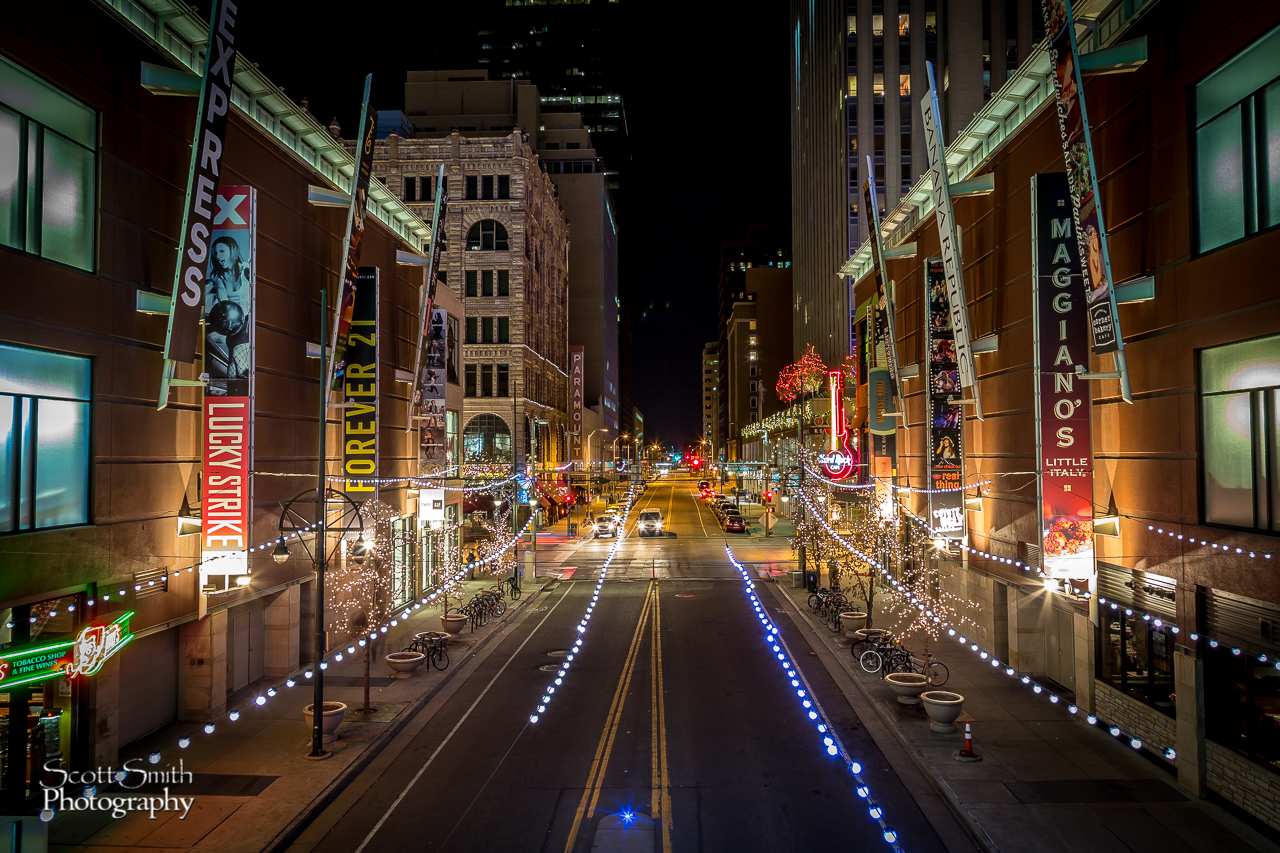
{"points": [[651, 522]]}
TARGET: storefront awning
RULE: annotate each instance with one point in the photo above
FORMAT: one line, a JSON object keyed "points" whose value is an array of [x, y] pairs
{"points": [[545, 502]]}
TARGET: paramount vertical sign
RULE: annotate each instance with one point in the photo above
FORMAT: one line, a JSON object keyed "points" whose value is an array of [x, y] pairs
{"points": [[576, 376], [360, 390], [1063, 434], [202, 191]]}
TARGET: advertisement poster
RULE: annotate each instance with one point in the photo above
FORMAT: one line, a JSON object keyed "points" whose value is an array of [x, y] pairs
{"points": [[432, 453], [1077, 146], [201, 211], [227, 417], [1063, 434], [576, 366], [945, 416], [360, 390], [351, 244]]}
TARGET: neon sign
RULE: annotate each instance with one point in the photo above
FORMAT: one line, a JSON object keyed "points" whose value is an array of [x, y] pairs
{"points": [[84, 655], [838, 461]]}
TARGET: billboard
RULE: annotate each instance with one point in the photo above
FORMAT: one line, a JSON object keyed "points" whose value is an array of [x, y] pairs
{"points": [[1063, 430], [229, 280], [576, 369], [432, 450], [202, 192], [945, 418], [360, 390]]}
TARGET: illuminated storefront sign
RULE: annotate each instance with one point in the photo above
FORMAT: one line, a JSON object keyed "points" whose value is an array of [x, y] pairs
{"points": [[838, 461], [84, 655], [360, 390]]}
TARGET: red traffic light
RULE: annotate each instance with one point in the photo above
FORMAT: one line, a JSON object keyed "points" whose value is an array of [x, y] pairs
{"points": [[768, 496]]}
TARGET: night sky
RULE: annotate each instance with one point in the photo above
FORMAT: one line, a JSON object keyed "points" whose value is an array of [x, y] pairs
{"points": [[706, 103]]}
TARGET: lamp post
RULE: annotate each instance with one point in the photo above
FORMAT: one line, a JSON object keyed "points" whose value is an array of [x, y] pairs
{"points": [[615, 456], [533, 501]]}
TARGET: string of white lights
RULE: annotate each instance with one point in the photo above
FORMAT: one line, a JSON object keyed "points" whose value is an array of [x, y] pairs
{"points": [[1225, 549], [879, 481], [831, 743], [562, 673]]}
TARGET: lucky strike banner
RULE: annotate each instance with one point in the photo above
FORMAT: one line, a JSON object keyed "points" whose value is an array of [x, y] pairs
{"points": [[360, 390], [1077, 146], [1063, 435], [945, 418], [576, 368], [229, 280], [432, 452]]}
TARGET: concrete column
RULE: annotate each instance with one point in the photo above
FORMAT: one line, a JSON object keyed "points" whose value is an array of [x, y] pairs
{"points": [[282, 624], [204, 651], [104, 711], [1188, 681], [1000, 619], [1085, 652]]}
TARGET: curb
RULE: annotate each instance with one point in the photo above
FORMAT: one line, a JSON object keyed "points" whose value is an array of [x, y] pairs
{"points": [[300, 821], [974, 829]]}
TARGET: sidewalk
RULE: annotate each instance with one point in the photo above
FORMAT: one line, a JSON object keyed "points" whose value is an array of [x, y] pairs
{"points": [[1048, 781], [253, 787]]}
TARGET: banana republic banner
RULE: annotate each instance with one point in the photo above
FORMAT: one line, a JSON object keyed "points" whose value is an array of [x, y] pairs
{"points": [[360, 390]]}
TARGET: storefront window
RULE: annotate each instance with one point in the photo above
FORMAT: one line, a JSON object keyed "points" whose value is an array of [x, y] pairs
{"points": [[402, 561], [1136, 658], [1242, 704]]}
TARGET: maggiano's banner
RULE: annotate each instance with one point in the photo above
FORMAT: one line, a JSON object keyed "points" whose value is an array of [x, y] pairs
{"points": [[1063, 434], [945, 417], [360, 390], [229, 287], [202, 192]]}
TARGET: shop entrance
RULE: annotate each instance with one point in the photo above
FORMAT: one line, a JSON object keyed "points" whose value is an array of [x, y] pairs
{"points": [[1060, 647], [246, 653]]}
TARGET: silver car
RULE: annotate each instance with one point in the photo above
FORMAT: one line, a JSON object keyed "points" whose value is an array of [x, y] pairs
{"points": [[606, 525]]}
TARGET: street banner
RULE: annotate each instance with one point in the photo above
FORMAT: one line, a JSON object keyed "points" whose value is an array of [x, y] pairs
{"points": [[351, 242], [432, 451], [948, 239], [227, 417], [427, 298], [360, 390], [1086, 207], [200, 210], [885, 324], [945, 418], [577, 356], [431, 505], [1063, 429], [881, 424]]}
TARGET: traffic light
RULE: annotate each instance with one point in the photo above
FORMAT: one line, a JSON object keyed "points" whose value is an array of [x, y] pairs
{"points": [[768, 497]]}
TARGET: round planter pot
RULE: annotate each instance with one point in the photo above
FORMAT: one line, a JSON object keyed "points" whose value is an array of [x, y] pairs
{"points": [[853, 621], [908, 686], [329, 720], [404, 664], [943, 707], [454, 623]]}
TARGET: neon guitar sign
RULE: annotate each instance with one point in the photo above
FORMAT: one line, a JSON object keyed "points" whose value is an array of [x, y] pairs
{"points": [[838, 461]]}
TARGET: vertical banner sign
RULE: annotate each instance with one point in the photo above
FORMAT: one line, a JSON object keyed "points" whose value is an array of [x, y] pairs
{"points": [[945, 416], [432, 452], [202, 190], [229, 279], [1086, 207], [1063, 434], [881, 424], [576, 369], [351, 243], [837, 461], [885, 322], [360, 390], [952, 268], [427, 298]]}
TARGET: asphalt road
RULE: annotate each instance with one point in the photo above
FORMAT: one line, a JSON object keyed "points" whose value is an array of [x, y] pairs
{"points": [[674, 713]]}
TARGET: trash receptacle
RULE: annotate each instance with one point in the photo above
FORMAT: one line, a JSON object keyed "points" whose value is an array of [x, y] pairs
{"points": [[811, 580], [797, 579]]}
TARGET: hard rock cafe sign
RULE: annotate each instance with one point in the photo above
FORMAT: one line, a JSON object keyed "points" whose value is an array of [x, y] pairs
{"points": [[838, 460]]}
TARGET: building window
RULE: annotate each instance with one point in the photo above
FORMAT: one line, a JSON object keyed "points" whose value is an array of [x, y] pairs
{"points": [[552, 146], [504, 282], [486, 439], [853, 86], [1136, 658], [454, 352], [504, 186], [904, 85], [1239, 409], [410, 189], [472, 288], [504, 330], [470, 390], [751, 371], [573, 145], [751, 355], [1236, 111], [753, 401], [473, 191], [504, 379], [472, 337], [486, 330], [49, 178], [451, 436], [427, 194], [751, 340], [486, 380], [487, 235], [753, 385], [486, 187], [44, 439], [486, 283]]}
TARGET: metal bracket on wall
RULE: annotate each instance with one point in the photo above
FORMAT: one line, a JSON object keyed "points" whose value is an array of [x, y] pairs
{"points": [[313, 350], [403, 375], [1116, 59], [411, 259], [981, 185], [325, 197], [911, 371], [1138, 290], [990, 343], [906, 250], [153, 303], [1084, 374], [159, 80]]}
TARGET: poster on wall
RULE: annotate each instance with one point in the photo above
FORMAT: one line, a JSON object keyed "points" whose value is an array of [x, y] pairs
{"points": [[945, 420], [432, 450], [577, 356], [1082, 179], [229, 284], [360, 391], [1063, 434]]}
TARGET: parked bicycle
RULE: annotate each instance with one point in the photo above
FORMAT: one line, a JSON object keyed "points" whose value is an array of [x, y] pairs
{"points": [[431, 644]]}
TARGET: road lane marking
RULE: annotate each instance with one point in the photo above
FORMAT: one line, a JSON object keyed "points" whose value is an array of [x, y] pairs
{"points": [[667, 815], [595, 778], [423, 769]]}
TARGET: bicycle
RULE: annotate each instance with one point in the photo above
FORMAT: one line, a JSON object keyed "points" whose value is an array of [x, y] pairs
{"points": [[884, 647], [932, 668], [431, 644]]}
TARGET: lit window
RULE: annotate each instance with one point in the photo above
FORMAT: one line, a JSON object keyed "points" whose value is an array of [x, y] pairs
{"points": [[44, 439], [877, 25], [853, 85], [752, 355], [904, 25], [877, 84], [851, 24], [751, 339], [904, 85]]}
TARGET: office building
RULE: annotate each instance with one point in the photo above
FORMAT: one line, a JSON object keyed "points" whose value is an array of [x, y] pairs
{"points": [[710, 404], [758, 346]]}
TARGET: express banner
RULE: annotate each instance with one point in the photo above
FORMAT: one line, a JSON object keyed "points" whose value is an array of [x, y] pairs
{"points": [[1063, 435], [360, 390], [577, 356], [1077, 145], [229, 285], [354, 236], [946, 417], [432, 452]]}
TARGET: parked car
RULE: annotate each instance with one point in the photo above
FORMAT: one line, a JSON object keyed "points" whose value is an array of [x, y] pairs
{"points": [[651, 523], [734, 523], [606, 525], [614, 511], [704, 485]]}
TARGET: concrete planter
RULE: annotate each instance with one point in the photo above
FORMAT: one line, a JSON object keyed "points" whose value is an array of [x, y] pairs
{"points": [[853, 621], [908, 686], [453, 623], [404, 664], [943, 708], [329, 720]]}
